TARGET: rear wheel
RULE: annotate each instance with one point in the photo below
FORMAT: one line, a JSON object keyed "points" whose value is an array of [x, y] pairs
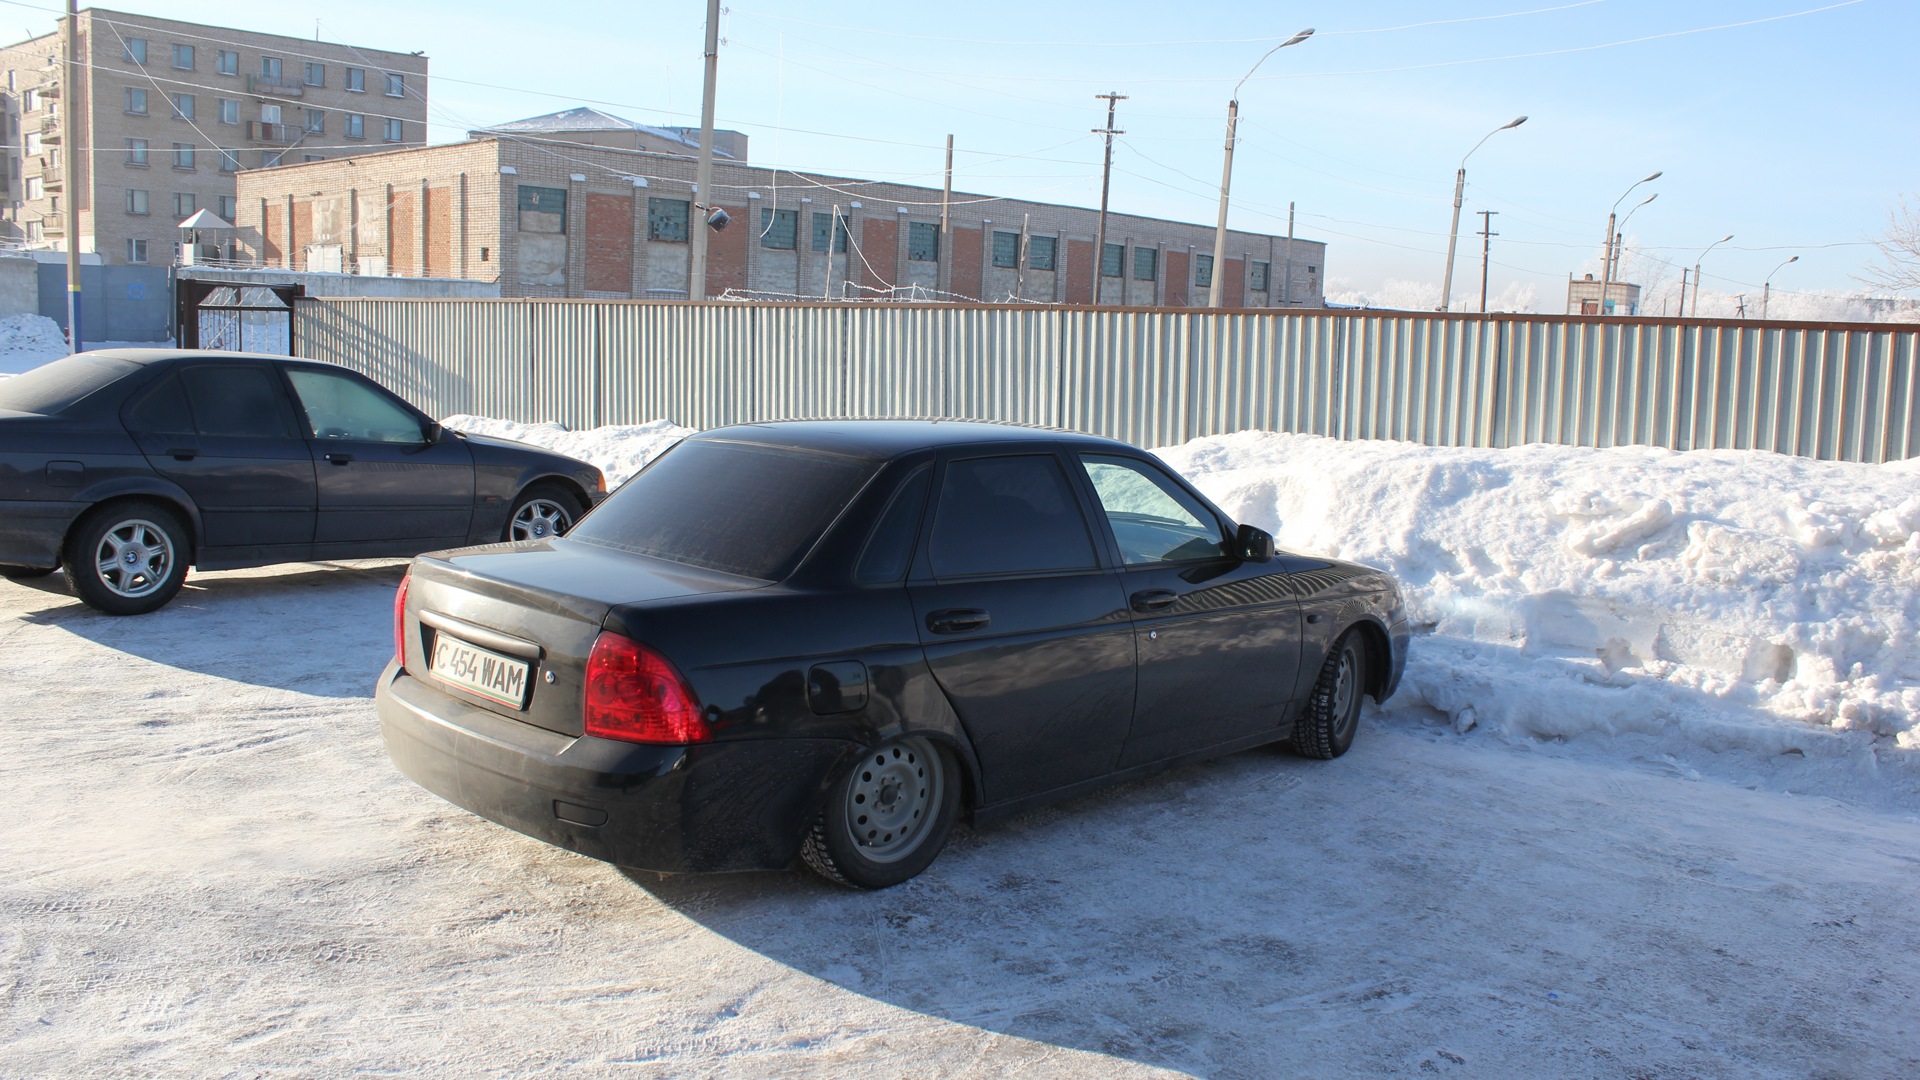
{"points": [[1332, 716], [888, 817], [542, 511], [127, 558]]}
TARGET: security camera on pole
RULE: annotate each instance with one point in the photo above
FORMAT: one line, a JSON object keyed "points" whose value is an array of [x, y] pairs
{"points": [[1218, 285]]}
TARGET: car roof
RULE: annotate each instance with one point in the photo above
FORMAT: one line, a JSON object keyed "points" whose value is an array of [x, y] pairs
{"points": [[155, 356], [878, 438]]}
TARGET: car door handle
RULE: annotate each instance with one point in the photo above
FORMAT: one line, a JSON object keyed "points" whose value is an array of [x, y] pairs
{"points": [[956, 620], [1154, 599], [339, 458], [183, 453]]}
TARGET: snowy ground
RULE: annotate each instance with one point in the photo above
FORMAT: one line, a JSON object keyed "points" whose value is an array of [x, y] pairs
{"points": [[1541, 859], [27, 341]]}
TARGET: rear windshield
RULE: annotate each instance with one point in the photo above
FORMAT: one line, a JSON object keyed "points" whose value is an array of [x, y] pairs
{"points": [[733, 507], [54, 387]]}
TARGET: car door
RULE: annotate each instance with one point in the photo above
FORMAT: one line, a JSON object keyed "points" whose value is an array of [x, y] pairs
{"points": [[1218, 637], [225, 433], [389, 483], [1024, 628]]}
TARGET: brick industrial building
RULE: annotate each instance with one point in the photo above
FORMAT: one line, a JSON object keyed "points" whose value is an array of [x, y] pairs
{"points": [[546, 208], [172, 111]]}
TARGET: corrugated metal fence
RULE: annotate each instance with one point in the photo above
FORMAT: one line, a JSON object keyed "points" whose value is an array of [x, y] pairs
{"points": [[1150, 377]]}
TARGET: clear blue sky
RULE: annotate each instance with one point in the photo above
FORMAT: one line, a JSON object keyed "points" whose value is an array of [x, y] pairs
{"points": [[1796, 134]]}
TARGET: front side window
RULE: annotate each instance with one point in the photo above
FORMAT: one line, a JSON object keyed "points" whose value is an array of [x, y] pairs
{"points": [[738, 508], [1153, 519], [667, 220], [1008, 515], [1006, 249], [923, 241], [779, 229], [338, 407]]}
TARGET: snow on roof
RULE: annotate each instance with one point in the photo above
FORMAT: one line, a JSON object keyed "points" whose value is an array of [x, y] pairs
{"points": [[587, 119], [204, 219]]}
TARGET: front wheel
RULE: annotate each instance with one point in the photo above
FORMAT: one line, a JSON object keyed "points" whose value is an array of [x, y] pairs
{"points": [[1332, 717], [542, 511], [127, 558], [887, 817]]}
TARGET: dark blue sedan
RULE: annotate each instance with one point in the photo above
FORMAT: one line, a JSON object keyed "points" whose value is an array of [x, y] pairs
{"points": [[127, 466]]}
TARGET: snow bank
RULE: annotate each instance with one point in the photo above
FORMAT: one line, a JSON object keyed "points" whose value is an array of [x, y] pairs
{"points": [[618, 450], [27, 341], [1739, 598]]}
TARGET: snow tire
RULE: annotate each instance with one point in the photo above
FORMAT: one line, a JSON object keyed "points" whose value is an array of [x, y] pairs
{"points": [[1332, 716], [127, 558], [846, 848]]}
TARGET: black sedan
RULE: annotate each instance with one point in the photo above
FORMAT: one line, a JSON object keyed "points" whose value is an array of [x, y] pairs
{"points": [[128, 466], [828, 640]]}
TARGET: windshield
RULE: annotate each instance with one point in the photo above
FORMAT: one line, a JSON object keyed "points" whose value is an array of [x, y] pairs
{"points": [[734, 507], [54, 387]]}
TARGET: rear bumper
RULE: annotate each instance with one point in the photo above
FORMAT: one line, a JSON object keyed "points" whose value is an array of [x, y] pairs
{"points": [[741, 805], [31, 532]]}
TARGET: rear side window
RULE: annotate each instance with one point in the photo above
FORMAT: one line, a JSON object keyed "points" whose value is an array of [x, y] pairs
{"points": [[1008, 515], [238, 402], [161, 410], [890, 549], [734, 507], [57, 386]]}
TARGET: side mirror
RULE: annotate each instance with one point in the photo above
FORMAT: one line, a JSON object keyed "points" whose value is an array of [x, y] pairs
{"points": [[430, 432], [1253, 545]]}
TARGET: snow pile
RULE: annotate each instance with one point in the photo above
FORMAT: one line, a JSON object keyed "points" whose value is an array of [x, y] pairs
{"points": [[1736, 598], [27, 341], [619, 450]]}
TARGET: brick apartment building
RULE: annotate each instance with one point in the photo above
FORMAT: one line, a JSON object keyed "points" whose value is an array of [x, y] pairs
{"points": [[542, 211], [173, 112]]}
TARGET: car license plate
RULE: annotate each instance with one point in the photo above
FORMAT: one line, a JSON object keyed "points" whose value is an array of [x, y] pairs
{"points": [[480, 671]]}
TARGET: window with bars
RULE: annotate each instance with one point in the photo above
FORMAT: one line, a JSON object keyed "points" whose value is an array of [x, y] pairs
{"points": [[1111, 258], [1261, 273], [667, 220], [822, 224], [923, 241], [1006, 248], [779, 229], [1040, 252], [1146, 263], [1202, 271]]}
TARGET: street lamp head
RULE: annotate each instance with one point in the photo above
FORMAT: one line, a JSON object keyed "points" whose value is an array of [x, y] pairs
{"points": [[1655, 176], [1298, 38], [1795, 259], [1515, 122], [1648, 199], [1724, 239]]}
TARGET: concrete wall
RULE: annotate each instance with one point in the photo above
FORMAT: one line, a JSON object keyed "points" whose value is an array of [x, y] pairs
{"points": [[19, 287], [118, 303], [351, 285]]}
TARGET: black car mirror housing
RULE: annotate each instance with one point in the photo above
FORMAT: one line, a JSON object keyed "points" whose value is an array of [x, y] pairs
{"points": [[1253, 545]]}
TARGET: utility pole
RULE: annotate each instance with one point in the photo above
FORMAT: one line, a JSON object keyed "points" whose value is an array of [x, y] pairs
{"points": [[703, 173], [946, 241], [1112, 98], [71, 95], [1683, 292], [1741, 299], [1486, 252]]}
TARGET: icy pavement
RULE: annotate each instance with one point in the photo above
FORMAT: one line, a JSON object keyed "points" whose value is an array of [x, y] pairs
{"points": [[209, 868]]}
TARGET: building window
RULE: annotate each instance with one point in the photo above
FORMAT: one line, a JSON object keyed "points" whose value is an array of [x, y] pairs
{"points": [[667, 220], [357, 80], [316, 74], [136, 101], [779, 229], [356, 126], [137, 153], [136, 202], [229, 111], [825, 225], [183, 57], [1111, 258], [183, 156], [1311, 268], [396, 85], [135, 51], [184, 205], [229, 162], [1146, 264], [1261, 272], [270, 158], [1006, 249], [270, 114], [183, 107], [36, 188], [1202, 271], [394, 130], [923, 241], [270, 68], [136, 250], [36, 232], [33, 143], [229, 62], [30, 101], [229, 207], [317, 121], [543, 209], [1040, 251]]}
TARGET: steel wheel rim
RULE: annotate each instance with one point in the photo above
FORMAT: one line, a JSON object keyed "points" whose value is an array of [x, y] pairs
{"points": [[892, 799], [539, 519], [134, 559], [1346, 712]]}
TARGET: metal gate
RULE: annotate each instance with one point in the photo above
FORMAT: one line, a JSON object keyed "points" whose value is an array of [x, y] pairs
{"points": [[239, 318]]}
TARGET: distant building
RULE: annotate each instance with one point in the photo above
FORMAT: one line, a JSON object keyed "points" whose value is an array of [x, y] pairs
{"points": [[1584, 297], [591, 127], [172, 111], [549, 216]]}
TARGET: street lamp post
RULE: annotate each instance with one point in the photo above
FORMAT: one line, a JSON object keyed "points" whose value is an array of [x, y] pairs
{"points": [[1766, 289], [1698, 284], [1614, 268], [1214, 288], [1606, 248], [1459, 189]]}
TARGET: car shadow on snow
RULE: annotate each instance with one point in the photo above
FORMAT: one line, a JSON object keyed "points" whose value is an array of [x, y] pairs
{"points": [[314, 628], [1150, 921]]}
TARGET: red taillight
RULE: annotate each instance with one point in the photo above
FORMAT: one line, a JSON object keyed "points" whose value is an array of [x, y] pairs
{"points": [[635, 695], [400, 620]]}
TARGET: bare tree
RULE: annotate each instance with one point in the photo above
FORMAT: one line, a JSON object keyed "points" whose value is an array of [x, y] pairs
{"points": [[1899, 266]]}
